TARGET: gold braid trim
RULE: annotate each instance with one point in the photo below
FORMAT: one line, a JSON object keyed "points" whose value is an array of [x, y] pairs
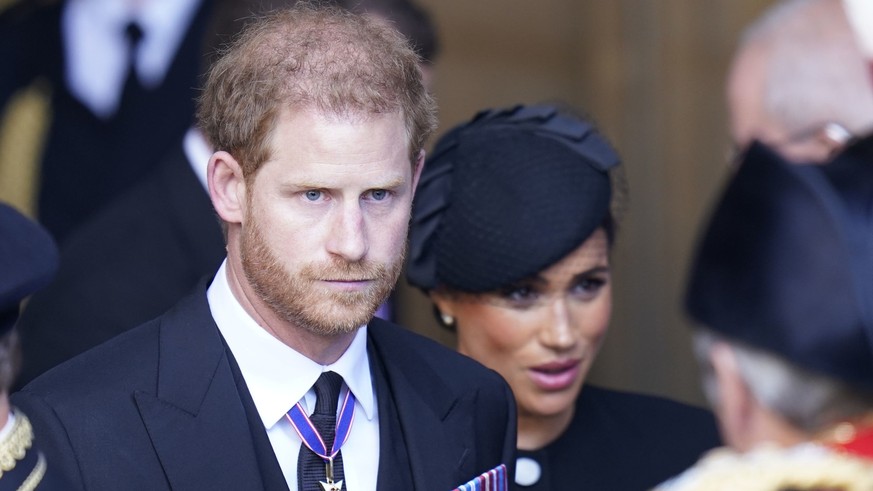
{"points": [[14, 447], [35, 476]]}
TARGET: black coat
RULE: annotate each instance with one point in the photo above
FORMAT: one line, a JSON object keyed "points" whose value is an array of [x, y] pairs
{"points": [[620, 441], [88, 161], [159, 408], [30, 469]]}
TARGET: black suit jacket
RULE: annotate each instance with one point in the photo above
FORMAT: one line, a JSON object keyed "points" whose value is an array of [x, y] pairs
{"points": [[621, 441], [158, 408], [88, 161], [130, 264]]}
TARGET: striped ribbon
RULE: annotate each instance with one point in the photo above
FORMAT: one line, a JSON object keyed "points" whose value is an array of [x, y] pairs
{"points": [[309, 434], [493, 480]]}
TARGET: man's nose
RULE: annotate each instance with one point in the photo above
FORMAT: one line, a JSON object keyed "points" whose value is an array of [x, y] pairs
{"points": [[348, 235]]}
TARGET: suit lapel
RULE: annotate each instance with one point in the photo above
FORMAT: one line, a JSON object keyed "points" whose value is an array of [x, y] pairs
{"points": [[196, 421], [394, 473], [438, 437]]}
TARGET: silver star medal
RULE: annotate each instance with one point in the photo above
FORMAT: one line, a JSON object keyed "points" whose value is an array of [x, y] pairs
{"points": [[330, 485]]}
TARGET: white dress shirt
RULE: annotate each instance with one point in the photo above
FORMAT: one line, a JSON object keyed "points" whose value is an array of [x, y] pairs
{"points": [[7, 428], [198, 152], [96, 47], [278, 377]]}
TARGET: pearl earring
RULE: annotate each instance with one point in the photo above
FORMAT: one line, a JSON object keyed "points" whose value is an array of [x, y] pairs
{"points": [[447, 319]]}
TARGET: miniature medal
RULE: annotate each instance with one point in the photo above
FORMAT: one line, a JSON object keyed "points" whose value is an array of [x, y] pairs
{"points": [[330, 485]]}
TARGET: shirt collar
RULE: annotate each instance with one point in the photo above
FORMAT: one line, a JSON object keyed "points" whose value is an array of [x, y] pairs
{"points": [[198, 152], [276, 375]]}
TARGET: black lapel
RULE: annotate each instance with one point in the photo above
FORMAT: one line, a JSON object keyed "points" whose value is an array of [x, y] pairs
{"points": [[394, 473], [197, 422], [269, 467], [432, 417]]}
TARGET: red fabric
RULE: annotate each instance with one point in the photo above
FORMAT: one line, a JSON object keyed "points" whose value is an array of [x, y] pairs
{"points": [[860, 446]]}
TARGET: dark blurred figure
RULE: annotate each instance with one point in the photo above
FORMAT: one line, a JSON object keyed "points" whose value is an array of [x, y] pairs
{"points": [[412, 21], [781, 293], [28, 259], [150, 247], [122, 78]]}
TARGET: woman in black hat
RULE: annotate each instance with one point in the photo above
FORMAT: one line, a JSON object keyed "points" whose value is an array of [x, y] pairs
{"points": [[511, 238]]}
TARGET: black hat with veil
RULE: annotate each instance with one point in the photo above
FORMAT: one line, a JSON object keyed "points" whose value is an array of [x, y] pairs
{"points": [[505, 196]]}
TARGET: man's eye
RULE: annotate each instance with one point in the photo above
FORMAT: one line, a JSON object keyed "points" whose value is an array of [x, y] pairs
{"points": [[379, 194], [313, 195]]}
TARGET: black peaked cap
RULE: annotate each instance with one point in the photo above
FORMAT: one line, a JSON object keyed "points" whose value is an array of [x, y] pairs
{"points": [[28, 261], [786, 262]]}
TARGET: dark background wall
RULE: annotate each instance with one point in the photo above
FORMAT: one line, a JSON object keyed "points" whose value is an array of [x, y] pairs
{"points": [[651, 74]]}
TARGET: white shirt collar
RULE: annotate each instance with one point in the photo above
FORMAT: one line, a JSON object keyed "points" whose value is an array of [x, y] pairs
{"points": [[198, 152], [97, 51], [276, 375], [7, 428]]}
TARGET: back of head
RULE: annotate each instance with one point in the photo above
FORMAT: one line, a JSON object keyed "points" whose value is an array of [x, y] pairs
{"points": [[807, 400], [311, 58], [506, 195], [784, 267], [812, 70]]}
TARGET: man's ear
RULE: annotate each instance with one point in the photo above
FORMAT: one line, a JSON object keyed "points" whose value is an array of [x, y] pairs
{"points": [[736, 403], [416, 171], [227, 187]]}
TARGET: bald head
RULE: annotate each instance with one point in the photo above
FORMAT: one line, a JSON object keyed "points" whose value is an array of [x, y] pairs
{"points": [[799, 81]]}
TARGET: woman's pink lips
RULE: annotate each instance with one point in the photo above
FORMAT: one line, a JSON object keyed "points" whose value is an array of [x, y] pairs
{"points": [[554, 376]]}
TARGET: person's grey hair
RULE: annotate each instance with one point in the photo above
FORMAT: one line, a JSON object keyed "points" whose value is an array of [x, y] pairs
{"points": [[809, 401], [816, 72]]}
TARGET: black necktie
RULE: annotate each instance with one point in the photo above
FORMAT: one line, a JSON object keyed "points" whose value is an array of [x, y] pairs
{"points": [[311, 467], [132, 88]]}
